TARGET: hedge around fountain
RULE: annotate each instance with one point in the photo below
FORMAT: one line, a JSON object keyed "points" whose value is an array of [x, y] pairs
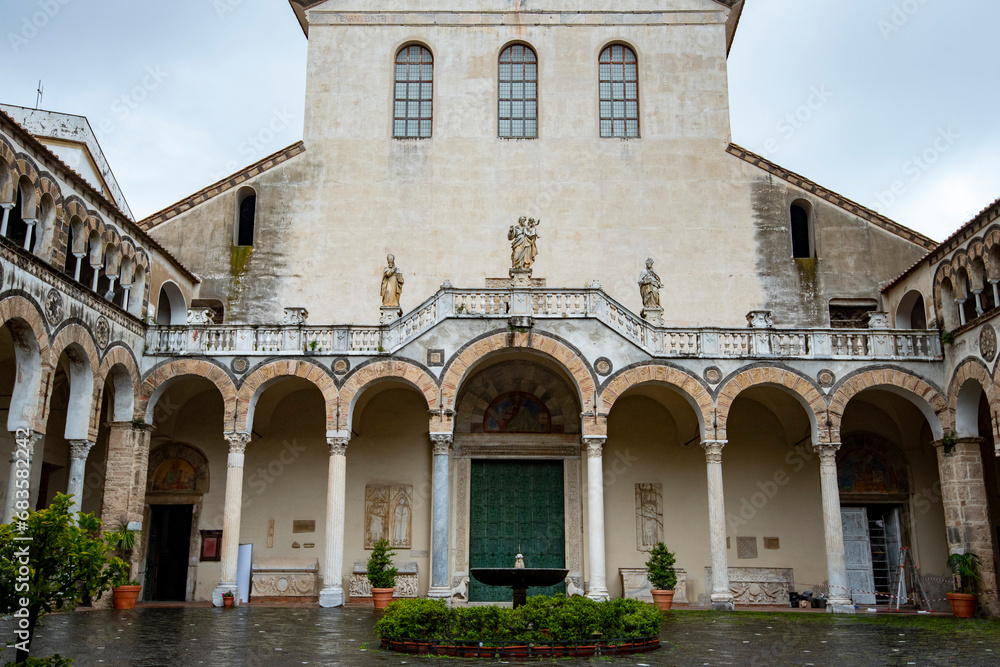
{"points": [[543, 626]]}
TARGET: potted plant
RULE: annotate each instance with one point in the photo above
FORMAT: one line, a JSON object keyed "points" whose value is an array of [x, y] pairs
{"points": [[125, 591], [227, 599], [966, 569], [382, 573], [662, 575]]}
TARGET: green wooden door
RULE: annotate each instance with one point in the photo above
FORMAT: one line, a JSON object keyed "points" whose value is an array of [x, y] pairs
{"points": [[516, 503]]}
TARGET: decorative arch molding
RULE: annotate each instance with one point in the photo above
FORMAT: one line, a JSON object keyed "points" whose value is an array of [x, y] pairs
{"points": [[161, 376], [24, 319], [796, 384], [686, 384], [119, 366], [971, 369], [47, 185], [270, 372], [171, 451], [571, 360], [73, 336], [362, 377], [924, 395]]}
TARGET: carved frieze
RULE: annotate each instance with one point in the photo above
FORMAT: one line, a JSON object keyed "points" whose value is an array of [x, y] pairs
{"points": [[285, 577], [406, 580], [757, 585], [635, 584]]}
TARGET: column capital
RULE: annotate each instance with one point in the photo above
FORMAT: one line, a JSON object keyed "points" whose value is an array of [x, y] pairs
{"points": [[441, 442], [79, 449], [826, 450], [594, 444], [338, 445], [713, 450], [237, 442]]}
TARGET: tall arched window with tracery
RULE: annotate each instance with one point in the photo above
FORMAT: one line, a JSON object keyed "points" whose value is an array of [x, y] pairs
{"points": [[619, 82], [413, 93], [518, 93]]}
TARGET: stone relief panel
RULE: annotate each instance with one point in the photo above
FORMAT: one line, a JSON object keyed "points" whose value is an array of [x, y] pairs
{"points": [[757, 585], [285, 577], [648, 515], [388, 514]]}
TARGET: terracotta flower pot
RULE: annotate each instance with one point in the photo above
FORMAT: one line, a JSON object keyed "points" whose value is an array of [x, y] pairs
{"points": [[663, 599], [228, 602], [382, 597], [963, 605], [125, 596]]}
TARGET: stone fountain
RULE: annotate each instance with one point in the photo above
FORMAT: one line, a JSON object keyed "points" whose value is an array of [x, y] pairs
{"points": [[519, 577]]}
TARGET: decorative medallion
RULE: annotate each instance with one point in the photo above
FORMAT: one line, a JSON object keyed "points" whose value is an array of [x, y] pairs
{"points": [[435, 358], [713, 375], [54, 306], [240, 365], [603, 366], [340, 365], [826, 378], [988, 342], [103, 332]]}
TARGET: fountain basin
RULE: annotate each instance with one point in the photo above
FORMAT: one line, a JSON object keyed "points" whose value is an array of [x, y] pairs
{"points": [[519, 578]]}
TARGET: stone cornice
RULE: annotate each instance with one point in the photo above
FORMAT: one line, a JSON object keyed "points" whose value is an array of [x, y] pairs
{"points": [[466, 19]]}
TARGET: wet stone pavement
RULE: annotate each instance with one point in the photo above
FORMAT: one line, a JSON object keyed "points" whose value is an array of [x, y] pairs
{"points": [[148, 637]]}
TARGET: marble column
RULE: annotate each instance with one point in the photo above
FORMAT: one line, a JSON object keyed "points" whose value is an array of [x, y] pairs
{"points": [[440, 585], [78, 451], [332, 594], [721, 595], [20, 471], [79, 265], [6, 217], [598, 589], [97, 275], [27, 236], [231, 519], [836, 560]]}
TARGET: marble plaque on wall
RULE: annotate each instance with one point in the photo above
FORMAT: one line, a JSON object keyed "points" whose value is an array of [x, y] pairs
{"points": [[388, 514], [648, 515]]}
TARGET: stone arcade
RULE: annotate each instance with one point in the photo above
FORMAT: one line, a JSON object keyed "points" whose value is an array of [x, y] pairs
{"points": [[774, 414]]}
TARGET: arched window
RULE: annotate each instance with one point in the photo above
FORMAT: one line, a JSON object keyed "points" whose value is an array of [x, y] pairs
{"points": [[518, 93], [17, 228], [413, 93], [801, 235], [619, 80], [170, 307], [246, 215]]}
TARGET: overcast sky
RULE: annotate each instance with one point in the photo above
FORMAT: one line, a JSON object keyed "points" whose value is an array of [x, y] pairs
{"points": [[888, 102]]}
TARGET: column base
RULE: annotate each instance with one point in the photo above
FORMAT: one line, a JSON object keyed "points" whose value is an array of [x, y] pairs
{"points": [[222, 588], [331, 597], [840, 608], [439, 593], [723, 602], [599, 595]]}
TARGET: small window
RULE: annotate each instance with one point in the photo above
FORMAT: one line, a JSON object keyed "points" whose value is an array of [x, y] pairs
{"points": [[413, 93], [619, 82], [246, 216], [518, 93], [801, 242]]}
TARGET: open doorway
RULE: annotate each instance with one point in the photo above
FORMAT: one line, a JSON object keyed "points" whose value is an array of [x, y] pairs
{"points": [[168, 552]]}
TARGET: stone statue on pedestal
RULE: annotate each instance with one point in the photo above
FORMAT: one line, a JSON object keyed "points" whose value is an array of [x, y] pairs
{"points": [[523, 239], [649, 286], [392, 284]]}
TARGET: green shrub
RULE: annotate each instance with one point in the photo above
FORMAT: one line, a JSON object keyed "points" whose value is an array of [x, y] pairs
{"points": [[381, 572], [555, 618], [661, 568], [52, 661]]}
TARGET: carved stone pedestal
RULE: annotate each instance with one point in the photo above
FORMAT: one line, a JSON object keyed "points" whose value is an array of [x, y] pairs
{"points": [[520, 277], [655, 317], [389, 314]]}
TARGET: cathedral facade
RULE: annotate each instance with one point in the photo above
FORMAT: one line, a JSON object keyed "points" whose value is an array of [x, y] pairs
{"points": [[514, 291]]}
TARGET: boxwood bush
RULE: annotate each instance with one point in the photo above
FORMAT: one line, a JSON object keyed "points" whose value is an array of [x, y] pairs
{"points": [[542, 618]]}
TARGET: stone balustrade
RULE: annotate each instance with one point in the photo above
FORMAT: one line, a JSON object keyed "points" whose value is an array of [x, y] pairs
{"points": [[756, 341]]}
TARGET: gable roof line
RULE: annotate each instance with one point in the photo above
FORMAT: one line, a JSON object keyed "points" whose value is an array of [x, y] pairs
{"points": [[112, 210], [834, 198], [224, 185], [950, 244]]}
